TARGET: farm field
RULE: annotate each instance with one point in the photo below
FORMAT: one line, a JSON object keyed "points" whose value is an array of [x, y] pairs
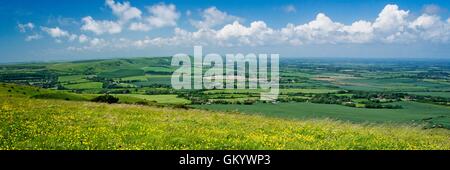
{"points": [[412, 112], [165, 99], [86, 85]]}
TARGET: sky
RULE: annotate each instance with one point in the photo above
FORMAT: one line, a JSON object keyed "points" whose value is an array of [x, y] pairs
{"points": [[51, 30]]}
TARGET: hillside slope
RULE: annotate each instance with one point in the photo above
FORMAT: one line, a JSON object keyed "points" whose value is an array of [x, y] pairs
{"points": [[27, 123]]}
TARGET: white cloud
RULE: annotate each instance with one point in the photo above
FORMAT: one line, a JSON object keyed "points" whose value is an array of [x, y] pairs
{"points": [[162, 15], [213, 17], [55, 32], [320, 30], [217, 28], [359, 32], [124, 11], [33, 37], [98, 43], [289, 9], [59, 34], [391, 19], [25, 27], [72, 37], [431, 27], [139, 26], [83, 38], [256, 34], [100, 27]]}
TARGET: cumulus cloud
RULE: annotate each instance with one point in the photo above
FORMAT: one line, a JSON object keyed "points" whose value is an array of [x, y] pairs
{"points": [[217, 28], [25, 27], [163, 15], [139, 26], [124, 11], [33, 37], [58, 34], [391, 19], [97, 42], [256, 34], [83, 38], [212, 17], [393, 25], [431, 27], [55, 32], [100, 27]]}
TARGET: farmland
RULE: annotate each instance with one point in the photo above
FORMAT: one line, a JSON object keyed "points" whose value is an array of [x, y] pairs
{"points": [[323, 104]]}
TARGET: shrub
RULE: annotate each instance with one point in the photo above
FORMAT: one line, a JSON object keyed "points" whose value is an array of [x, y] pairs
{"points": [[106, 99]]}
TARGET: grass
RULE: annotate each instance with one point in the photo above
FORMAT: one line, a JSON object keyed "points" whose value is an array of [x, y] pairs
{"points": [[122, 73], [53, 124], [437, 94], [135, 78], [412, 112], [72, 78], [163, 99], [316, 91], [86, 85], [159, 69], [391, 84]]}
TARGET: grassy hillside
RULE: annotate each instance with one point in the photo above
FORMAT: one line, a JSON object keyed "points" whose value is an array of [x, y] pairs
{"points": [[27, 123]]}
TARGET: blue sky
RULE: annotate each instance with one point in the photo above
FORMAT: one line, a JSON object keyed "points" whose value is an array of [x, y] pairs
{"points": [[50, 30]]}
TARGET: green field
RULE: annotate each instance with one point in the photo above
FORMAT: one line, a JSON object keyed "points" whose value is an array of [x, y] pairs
{"points": [[122, 73], [412, 112], [72, 78], [307, 91], [390, 84], [87, 85], [164, 99], [439, 94]]}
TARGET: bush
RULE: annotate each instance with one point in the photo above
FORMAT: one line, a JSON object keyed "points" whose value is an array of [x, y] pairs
{"points": [[106, 99]]}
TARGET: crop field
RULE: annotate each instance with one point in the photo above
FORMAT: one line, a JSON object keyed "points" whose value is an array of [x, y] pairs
{"points": [[122, 73], [72, 78], [164, 99], [413, 113], [398, 84], [86, 85], [438, 94]]}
